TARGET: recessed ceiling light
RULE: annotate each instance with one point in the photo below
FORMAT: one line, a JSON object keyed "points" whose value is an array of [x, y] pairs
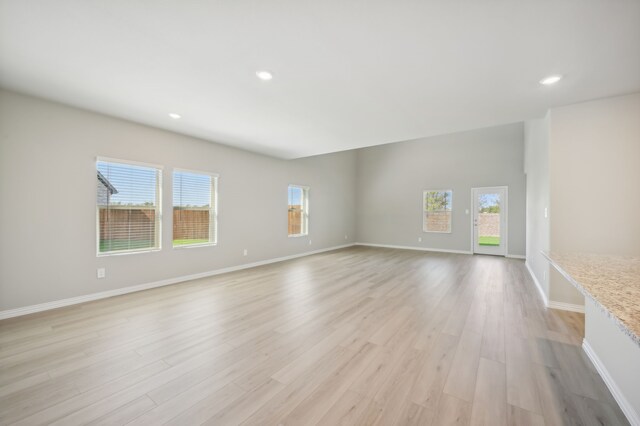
{"points": [[174, 115], [264, 75], [552, 79]]}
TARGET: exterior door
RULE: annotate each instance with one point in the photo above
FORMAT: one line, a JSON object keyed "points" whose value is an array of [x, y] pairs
{"points": [[490, 220]]}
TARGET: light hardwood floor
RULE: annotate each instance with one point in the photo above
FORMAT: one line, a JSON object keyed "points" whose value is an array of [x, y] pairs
{"points": [[355, 336]]}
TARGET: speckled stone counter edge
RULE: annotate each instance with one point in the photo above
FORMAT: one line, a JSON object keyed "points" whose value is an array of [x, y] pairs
{"points": [[585, 293]]}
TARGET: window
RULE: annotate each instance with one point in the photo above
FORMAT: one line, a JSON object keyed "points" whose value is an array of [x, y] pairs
{"points": [[194, 208], [128, 207], [437, 210], [298, 210]]}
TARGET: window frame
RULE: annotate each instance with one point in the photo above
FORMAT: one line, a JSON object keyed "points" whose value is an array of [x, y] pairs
{"points": [[305, 210], [424, 211], [213, 209], [158, 225]]}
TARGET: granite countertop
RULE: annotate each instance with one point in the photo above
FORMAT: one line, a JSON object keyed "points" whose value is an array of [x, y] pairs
{"points": [[612, 282]]}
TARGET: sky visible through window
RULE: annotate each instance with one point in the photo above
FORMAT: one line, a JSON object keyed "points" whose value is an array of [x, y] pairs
{"points": [[438, 200], [191, 189], [136, 185], [487, 201], [295, 196]]}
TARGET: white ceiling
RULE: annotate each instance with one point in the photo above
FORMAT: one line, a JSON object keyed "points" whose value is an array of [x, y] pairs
{"points": [[348, 74]]}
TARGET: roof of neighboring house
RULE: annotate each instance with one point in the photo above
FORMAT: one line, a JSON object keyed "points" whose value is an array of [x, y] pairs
{"points": [[112, 189]]}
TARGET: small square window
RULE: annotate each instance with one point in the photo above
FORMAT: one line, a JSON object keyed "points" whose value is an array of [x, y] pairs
{"points": [[437, 210]]}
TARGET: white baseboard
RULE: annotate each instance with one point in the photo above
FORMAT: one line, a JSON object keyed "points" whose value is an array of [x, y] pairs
{"points": [[543, 295], [625, 406], [10, 313], [516, 256], [551, 303], [566, 306], [437, 250], [415, 248]]}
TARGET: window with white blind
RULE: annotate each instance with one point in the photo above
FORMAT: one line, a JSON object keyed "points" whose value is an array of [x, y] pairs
{"points": [[194, 208], [128, 207], [298, 210]]}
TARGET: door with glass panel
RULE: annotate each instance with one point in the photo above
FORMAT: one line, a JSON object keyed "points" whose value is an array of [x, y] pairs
{"points": [[490, 220]]}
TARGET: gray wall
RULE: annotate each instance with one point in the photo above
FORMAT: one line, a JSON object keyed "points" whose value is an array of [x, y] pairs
{"points": [[391, 179], [536, 167], [594, 155], [48, 193], [595, 176]]}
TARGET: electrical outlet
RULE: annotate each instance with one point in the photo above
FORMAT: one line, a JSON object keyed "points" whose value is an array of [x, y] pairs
{"points": [[245, 252], [546, 213], [101, 273], [309, 242], [419, 239], [346, 237], [466, 211]]}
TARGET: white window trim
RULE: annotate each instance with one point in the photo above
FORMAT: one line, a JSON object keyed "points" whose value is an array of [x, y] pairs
{"points": [[130, 162], [306, 194], [158, 235], [214, 207], [424, 210]]}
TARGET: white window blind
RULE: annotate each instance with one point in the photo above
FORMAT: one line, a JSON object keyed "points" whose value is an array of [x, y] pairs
{"points": [[298, 210], [128, 207], [194, 208]]}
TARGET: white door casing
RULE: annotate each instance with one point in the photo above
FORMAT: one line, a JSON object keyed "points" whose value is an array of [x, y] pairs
{"points": [[494, 198]]}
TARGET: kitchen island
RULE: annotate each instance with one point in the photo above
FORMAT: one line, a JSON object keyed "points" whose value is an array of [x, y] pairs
{"points": [[611, 286]]}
